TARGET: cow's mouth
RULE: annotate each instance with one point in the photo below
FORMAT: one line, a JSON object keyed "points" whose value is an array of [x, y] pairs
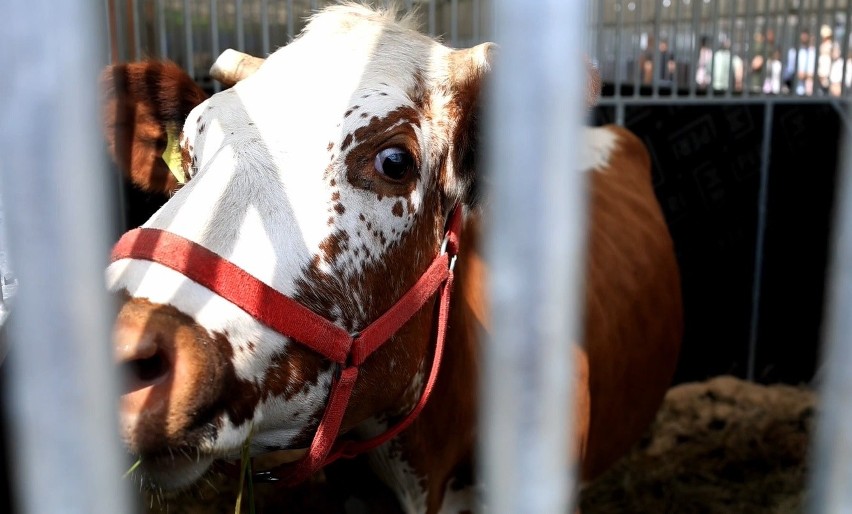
{"points": [[179, 469], [173, 471]]}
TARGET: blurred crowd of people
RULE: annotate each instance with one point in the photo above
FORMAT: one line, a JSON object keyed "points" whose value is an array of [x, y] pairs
{"points": [[810, 67]]}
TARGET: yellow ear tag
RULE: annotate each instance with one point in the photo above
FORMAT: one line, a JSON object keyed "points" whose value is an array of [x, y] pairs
{"points": [[172, 156]]}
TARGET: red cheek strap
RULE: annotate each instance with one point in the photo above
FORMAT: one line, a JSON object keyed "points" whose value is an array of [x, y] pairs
{"points": [[298, 323]]}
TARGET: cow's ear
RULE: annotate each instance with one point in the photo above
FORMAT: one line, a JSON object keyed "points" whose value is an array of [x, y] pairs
{"points": [[145, 105], [468, 69]]}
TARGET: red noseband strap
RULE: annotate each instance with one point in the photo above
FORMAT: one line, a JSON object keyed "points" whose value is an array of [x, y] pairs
{"points": [[300, 324]]}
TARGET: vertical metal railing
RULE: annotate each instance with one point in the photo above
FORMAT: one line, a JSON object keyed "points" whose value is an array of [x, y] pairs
{"points": [[189, 63], [62, 395], [830, 491], [535, 110]]}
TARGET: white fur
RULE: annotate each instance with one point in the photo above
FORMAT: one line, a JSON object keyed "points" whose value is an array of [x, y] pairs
{"points": [[596, 153]]}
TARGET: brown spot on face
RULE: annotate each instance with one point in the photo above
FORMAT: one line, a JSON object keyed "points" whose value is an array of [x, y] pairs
{"points": [[396, 129], [330, 146], [338, 207], [185, 157], [330, 221], [397, 209], [335, 196], [333, 183], [365, 115], [334, 245], [361, 217], [346, 142], [347, 113], [418, 92]]}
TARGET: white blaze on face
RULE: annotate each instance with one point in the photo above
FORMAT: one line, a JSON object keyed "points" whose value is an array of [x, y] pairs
{"points": [[271, 188]]}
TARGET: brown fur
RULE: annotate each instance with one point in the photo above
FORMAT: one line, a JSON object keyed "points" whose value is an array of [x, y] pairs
{"points": [[141, 101]]}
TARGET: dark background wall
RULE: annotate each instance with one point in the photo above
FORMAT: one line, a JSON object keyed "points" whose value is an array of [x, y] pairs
{"points": [[707, 161]]}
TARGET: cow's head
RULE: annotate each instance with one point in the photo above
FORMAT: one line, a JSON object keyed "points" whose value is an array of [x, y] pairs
{"points": [[328, 174]]}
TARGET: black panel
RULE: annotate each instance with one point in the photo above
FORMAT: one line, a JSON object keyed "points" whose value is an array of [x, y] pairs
{"points": [[805, 141], [706, 166]]}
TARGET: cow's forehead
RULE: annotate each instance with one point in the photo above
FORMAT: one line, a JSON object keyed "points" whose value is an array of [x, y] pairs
{"points": [[345, 54]]}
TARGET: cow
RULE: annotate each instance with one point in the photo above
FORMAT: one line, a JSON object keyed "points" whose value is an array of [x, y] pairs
{"points": [[314, 278]]}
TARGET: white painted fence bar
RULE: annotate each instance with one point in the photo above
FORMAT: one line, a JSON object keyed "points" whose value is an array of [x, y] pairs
{"points": [[62, 395], [534, 248], [831, 478]]}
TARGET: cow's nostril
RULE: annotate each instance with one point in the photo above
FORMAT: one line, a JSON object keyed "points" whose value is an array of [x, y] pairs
{"points": [[144, 372]]}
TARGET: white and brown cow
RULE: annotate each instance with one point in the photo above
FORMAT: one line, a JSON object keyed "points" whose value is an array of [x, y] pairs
{"points": [[328, 175]]}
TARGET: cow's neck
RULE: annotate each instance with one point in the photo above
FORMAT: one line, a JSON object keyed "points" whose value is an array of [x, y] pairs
{"points": [[404, 463]]}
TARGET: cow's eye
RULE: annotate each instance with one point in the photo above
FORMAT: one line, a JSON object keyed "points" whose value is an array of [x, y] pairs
{"points": [[394, 163]]}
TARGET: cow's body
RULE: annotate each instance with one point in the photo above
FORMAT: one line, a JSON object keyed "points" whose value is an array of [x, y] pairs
{"points": [[329, 175]]}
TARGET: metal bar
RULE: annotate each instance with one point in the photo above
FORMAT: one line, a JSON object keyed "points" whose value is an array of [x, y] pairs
{"points": [[535, 107], [291, 21], [676, 48], [785, 21], [214, 37], [109, 30], [619, 35], [796, 79], [751, 25], [137, 33], [454, 23], [762, 203], [161, 31], [845, 48], [8, 287], [121, 50], [655, 78], [61, 402], [241, 28], [715, 44], [718, 100], [477, 13], [818, 36], [264, 27], [832, 449], [732, 78], [600, 51], [637, 29], [189, 58], [696, 48], [432, 21]]}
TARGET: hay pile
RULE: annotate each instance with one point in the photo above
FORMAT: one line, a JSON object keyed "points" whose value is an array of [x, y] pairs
{"points": [[721, 446]]}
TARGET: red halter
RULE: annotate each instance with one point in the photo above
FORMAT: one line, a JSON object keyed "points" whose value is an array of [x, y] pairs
{"points": [[294, 321]]}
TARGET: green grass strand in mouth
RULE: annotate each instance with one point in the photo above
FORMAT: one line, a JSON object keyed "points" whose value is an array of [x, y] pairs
{"points": [[133, 468], [245, 473]]}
